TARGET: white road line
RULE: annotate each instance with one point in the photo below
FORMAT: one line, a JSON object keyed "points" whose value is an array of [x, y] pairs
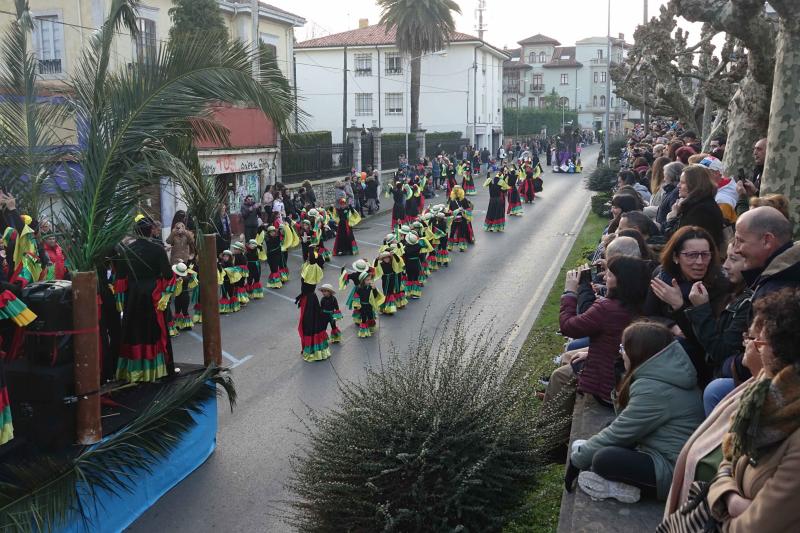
{"points": [[225, 354], [369, 243], [273, 293], [549, 278], [242, 360], [379, 224]]}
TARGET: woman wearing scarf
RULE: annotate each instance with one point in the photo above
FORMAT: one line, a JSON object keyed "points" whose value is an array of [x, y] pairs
{"points": [[757, 483]]}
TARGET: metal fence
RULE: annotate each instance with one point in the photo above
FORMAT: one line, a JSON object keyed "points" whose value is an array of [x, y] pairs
{"points": [[321, 161], [391, 152], [448, 146]]}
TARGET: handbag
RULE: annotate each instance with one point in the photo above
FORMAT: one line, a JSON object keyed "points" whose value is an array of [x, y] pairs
{"points": [[694, 516]]}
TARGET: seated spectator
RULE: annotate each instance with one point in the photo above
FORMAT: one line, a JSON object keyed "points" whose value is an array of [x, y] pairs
{"points": [[689, 256], [757, 484], [672, 175], [658, 408], [721, 337], [778, 201], [627, 178], [603, 323], [702, 453], [771, 260], [697, 206]]}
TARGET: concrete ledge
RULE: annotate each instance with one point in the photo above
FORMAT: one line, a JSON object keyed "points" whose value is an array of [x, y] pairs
{"points": [[579, 513]]}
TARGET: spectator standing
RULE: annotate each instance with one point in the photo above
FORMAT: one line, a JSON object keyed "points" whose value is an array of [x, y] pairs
{"points": [[672, 174], [436, 171], [309, 197], [250, 212], [182, 242], [485, 155], [371, 194], [348, 191], [222, 227]]}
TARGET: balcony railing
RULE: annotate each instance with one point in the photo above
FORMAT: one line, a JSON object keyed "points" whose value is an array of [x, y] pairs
{"points": [[363, 71], [599, 61], [50, 66], [513, 86], [537, 88]]}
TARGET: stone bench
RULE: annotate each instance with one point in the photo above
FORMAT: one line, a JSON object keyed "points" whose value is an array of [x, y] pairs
{"points": [[579, 513]]}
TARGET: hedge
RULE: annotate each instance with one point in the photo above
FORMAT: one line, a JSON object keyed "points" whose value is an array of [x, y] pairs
{"points": [[529, 121]]}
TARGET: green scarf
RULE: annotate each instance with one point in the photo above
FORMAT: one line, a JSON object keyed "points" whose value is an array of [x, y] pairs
{"points": [[769, 411]]}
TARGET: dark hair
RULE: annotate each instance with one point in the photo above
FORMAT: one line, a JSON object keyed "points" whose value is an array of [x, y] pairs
{"points": [[721, 139], [675, 245], [698, 182], [626, 202], [640, 162], [644, 250], [628, 177], [641, 222], [689, 133], [673, 147], [641, 341], [633, 280], [657, 175], [780, 315]]}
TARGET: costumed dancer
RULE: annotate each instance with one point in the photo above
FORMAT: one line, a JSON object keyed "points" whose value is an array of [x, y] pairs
{"points": [[401, 192], [289, 240], [450, 175], [313, 324], [461, 232], [145, 352], [26, 264], [414, 249], [514, 202], [389, 270], [194, 295], [255, 290], [227, 276], [185, 282], [272, 243], [240, 264], [364, 298], [433, 235], [440, 225], [495, 213], [330, 306], [413, 202], [467, 183], [346, 217], [526, 189], [319, 223]]}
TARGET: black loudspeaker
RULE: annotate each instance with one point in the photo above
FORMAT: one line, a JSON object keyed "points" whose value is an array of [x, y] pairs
{"points": [[41, 409], [52, 303]]}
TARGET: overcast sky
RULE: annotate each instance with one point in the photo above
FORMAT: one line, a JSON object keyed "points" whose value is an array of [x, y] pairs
{"points": [[506, 21]]}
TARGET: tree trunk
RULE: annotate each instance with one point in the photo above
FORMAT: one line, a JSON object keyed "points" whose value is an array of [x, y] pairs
{"points": [[783, 142], [87, 357], [708, 112], [719, 127], [748, 119], [209, 301], [416, 71]]}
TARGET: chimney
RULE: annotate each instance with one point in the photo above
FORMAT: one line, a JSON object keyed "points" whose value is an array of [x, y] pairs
{"points": [[363, 23], [621, 36]]}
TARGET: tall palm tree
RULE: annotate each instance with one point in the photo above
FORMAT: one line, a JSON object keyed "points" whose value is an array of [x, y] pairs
{"points": [[422, 27]]}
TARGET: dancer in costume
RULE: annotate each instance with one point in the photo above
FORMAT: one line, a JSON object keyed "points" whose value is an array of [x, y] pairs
{"points": [[240, 263], [255, 290], [450, 175], [461, 232], [330, 306], [495, 213], [514, 202], [526, 189], [467, 183], [272, 243], [289, 240], [412, 256], [185, 282], [389, 270], [228, 274], [414, 201], [346, 217], [319, 223], [146, 350], [401, 192], [441, 225], [313, 324], [364, 298]]}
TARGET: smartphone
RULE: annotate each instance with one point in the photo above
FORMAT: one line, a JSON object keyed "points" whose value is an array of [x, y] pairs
{"points": [[586, 276], [740, 176]]}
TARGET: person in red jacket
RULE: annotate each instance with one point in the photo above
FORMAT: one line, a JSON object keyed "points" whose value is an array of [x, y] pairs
{"points": [[627, 280], [57, 268]]}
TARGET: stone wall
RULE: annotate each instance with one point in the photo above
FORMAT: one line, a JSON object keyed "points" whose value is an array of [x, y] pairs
{"points": [[323, 189]]}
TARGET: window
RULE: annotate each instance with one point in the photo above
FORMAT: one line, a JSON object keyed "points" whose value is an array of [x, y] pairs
{"points": [[599, 53], [602, 77], [542, 57], [532, 57], [565, 79], [394, 103], [596, 76], [602, 101], [511, 102], [542, 103], [394, 64], [270, 42], [364, 65], [48, 35], [363, 103], [594, 101], [563, 101], [532, 102], [146, 48], [612, 101]]}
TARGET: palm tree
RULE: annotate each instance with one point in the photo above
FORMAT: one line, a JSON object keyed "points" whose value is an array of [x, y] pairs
{"points": [[422, 27]]}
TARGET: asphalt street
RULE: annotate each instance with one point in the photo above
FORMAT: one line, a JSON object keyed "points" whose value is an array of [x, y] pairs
{"points": [[503, 280]]}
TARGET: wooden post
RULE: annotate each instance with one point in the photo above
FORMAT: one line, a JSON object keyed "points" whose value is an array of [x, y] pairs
{"points": [[209, 300], [87, 357]]}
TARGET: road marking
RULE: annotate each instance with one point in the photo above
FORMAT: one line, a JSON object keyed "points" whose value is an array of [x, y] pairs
{"points": [[273, 293], [379, 224], [549, 278], [369, 243], [226, 355], [242, 360]]}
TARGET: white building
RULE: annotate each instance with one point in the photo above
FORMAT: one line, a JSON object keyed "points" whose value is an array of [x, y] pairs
{"points": [[358, 78], [578, 75]]}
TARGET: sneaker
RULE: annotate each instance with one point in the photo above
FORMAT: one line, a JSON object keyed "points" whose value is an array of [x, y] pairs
{"points": [[600, 488]]}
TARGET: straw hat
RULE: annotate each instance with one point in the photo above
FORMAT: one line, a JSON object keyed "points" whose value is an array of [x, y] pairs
{"points": [[327, 287], [226, 252], [404, 229], [271, 229], [390, 237], [252, 243], [238, 246], [412, 239], [361, 266], [313, 213], [180, 269]]}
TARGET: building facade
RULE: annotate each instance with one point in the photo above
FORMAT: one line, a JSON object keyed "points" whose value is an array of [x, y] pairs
{"points": [[577, 74], [358, 78]]}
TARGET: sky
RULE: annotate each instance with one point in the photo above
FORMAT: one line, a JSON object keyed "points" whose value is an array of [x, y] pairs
{"points": [[506, 21]]}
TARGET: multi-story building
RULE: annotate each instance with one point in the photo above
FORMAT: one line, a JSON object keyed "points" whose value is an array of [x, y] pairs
{"points": [[577, 74], [252, 157], [358, 77]]}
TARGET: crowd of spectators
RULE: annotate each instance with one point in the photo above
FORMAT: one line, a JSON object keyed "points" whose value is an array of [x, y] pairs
{"points": [[687, 323]]}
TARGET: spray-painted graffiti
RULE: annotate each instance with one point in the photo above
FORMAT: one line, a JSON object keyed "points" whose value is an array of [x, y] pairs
{"points": [[226, 164]]}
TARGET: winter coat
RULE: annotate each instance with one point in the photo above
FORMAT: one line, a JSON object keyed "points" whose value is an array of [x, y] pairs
{"points": [[182, 246], [667, 201], [782, 270], [250, 214], [704, 212], [664, 408], [603, 323], [371, 189]]}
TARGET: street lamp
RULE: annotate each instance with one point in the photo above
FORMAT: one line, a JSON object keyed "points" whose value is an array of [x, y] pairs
{"points": [[440, 53], [608, 87]]}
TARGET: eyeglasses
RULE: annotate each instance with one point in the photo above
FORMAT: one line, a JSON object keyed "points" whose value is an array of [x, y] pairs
{"points": [[694, 256], [621, 349]]}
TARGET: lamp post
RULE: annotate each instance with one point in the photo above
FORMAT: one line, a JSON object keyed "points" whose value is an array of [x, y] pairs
{"points": [[440, 53], [608, 88]]}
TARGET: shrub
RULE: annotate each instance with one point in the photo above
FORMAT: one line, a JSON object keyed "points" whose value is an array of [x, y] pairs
{"points": [[602, 179], [441, 440], [528, 121], [601, 204], [616, 146]]}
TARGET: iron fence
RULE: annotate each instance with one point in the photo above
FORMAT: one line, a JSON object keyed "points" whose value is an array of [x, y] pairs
{"points": [[321, 161], [391, 152], [447, 146]]}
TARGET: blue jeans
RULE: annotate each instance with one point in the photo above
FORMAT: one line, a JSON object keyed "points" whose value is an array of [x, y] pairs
{"points": [[715, 392], [575, 344]]}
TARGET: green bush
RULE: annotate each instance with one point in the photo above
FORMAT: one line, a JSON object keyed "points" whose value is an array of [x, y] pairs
{"points": [[600, 204], [527, 121], [311, 138], [602, 179], [440, 440], [429, 136], [616, 146]]}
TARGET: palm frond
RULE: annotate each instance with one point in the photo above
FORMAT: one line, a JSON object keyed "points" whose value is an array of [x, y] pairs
{"points": [[45, 495], [422, 26], [30, 145]]}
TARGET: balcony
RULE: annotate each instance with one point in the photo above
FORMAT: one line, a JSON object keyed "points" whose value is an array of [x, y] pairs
{"points": [[513, 86], [599, 61], [537, 88], [49, 66]]}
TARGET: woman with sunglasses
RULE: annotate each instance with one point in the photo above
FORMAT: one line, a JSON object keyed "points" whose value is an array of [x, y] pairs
{"points": [[689, 257]]}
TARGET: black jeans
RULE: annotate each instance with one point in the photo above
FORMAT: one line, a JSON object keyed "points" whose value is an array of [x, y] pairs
{"points": [[626, 466]]}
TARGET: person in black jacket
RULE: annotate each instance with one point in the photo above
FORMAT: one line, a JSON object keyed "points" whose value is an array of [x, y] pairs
{"points": [[697, 206], [222, 227], [250, 212]]}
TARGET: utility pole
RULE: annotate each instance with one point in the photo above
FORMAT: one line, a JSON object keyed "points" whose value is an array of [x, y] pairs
{"points": [[481, 28], [608, 90], [254, 30], [344, 98]]}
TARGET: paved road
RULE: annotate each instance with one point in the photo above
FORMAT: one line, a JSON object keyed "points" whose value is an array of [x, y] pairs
{"points": [[504, 276]]}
